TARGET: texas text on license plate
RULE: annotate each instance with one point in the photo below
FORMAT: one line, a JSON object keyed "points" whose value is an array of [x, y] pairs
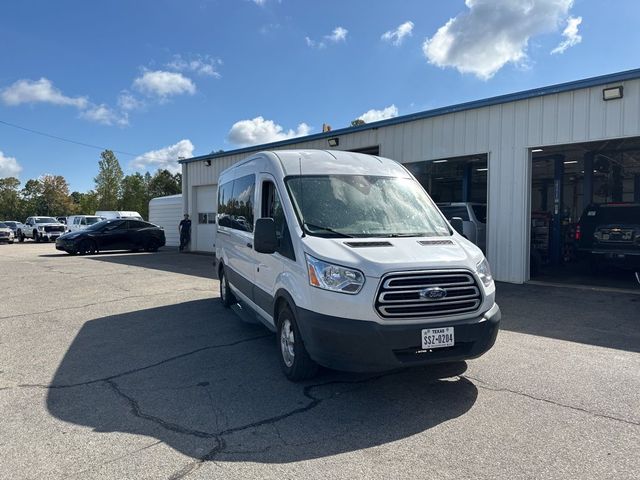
{"points": [[437, 337]]}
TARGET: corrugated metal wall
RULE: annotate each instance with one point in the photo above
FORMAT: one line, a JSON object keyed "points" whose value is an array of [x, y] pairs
{"points": [[505, 132]]}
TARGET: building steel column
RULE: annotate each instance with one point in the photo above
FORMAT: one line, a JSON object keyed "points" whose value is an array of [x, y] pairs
{"points": [[467, 176], [556, 240], [587, 187]]}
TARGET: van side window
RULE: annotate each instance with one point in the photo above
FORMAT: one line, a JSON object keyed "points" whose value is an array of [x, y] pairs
{"points": [[235, 203], [272, 208]]}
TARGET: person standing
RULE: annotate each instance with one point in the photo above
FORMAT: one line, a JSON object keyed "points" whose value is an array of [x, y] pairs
{"points": [[185, 231]]}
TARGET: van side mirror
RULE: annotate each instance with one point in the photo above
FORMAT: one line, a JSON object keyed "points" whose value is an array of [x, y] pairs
{"points": [[264, 236], [457, 224]]}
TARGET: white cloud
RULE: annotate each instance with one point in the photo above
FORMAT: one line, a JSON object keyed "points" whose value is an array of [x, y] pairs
{"points": [[200, 64], [38, 91], [128, 102], [570, 34], [396, 37], [375, 115], [9, 166], [166, 158], [492, 33], [259, 2], [258, 130], [164, 84], [105, 115], [339, 34]]}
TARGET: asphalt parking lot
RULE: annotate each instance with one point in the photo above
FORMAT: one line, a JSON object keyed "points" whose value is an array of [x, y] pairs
{"points": [[126, 366]]}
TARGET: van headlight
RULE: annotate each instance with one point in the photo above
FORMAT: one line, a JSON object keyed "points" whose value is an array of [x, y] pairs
{"points": [[334, 277], [484, 272]]}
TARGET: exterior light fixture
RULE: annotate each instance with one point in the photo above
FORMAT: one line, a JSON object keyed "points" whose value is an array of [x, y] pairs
{"points": [[334, 142], [612, 93], [570, 161], [440, 161], [481, 169], [536, 150], [207, 163]]}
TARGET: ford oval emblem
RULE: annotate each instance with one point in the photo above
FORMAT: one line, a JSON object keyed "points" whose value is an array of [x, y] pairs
{"points": [[433, 293]]}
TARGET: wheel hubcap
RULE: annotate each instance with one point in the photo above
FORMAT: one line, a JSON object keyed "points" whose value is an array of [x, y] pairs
{"points": [[287, 342]]}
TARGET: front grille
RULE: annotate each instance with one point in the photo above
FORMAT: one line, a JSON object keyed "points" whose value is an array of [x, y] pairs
{"points": [[399, 295], [4, 234], [54, 228]]}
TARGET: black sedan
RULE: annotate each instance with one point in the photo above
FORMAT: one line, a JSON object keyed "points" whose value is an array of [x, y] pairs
{"points": [[113, 235]]}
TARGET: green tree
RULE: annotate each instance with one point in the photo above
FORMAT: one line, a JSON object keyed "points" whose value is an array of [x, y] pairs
{"points": [[55, 198], [135, 194], [109, 181], [88, 203], [165, 183], [10, 201], [32, 200]]}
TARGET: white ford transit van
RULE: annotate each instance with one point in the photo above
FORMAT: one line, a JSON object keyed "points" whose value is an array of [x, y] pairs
{"points": [[350, 262]]}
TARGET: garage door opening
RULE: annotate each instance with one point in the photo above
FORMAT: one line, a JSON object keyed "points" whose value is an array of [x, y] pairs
{"points": [[459, 186], [585, 213]]}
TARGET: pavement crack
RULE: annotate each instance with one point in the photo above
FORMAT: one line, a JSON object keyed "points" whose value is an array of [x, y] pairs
{"points": [[486, 386], [147, 367], [112, 460], [314, 402], [137, 412]]}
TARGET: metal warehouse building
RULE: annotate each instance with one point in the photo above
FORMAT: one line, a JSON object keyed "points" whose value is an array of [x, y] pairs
{"points": [[536, 158]]}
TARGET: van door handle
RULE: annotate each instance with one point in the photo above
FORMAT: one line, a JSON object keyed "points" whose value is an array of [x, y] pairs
{"points": [[249, 245]]}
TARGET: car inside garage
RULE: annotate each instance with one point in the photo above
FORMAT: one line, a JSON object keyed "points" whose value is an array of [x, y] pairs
{"points": [[458, 185], [585, 213]]}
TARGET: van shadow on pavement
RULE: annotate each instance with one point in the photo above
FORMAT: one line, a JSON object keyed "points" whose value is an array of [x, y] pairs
{"points": [[195, 377]]}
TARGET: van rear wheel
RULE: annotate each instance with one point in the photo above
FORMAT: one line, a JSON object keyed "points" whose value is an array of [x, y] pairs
{"points": [[295, 361]]}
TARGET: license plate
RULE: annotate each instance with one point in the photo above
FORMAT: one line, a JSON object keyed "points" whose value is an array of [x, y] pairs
{"points": [[437, 337]]}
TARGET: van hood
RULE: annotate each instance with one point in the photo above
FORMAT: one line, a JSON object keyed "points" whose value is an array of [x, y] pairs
{"points": [[378, 256]]}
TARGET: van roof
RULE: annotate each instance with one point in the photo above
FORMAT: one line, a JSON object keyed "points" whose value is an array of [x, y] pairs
{"points": [[330, 162]]}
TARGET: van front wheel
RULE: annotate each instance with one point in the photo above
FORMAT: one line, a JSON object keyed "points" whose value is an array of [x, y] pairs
{"points": [[226, 295], [295, 361]]}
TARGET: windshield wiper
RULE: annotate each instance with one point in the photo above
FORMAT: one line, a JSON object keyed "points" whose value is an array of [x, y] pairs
{"points": [[326, 229], [394, 235]]}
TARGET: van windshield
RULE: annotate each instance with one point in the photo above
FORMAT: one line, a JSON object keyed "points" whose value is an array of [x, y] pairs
{"points": [[364, 206]]}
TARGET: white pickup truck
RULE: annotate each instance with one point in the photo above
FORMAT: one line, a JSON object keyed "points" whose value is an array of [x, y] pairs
{"points": [[41, 229]]}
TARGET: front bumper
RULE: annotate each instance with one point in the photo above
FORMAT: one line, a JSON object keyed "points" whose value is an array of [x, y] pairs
{"points": [[360, 346]]}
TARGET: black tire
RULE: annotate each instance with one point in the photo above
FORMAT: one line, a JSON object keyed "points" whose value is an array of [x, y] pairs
{"points": [[226, 295], [152, 246], [295, 361], [72, 252], [87, 247], [20, 236], [36, 237]]}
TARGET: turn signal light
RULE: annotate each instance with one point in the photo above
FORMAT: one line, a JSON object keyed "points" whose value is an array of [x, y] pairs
{"points": [[578, 233]]}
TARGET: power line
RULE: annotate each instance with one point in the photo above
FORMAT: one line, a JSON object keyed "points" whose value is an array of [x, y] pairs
{"points": [[62, 139]]}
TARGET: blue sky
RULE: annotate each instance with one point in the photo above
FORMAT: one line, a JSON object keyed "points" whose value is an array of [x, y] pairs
{"points": [[161, 79]]}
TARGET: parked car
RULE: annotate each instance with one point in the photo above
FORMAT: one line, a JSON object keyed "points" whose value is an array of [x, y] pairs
{"points": [[41, 229], [112, 214], [6, 233], [474, 220], [15, 226], [610, 234], [80, 222], [113, 235], [347, 258]]}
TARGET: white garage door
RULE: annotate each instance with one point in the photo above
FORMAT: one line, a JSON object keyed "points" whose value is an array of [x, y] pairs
{"points": [[204, 221]]}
